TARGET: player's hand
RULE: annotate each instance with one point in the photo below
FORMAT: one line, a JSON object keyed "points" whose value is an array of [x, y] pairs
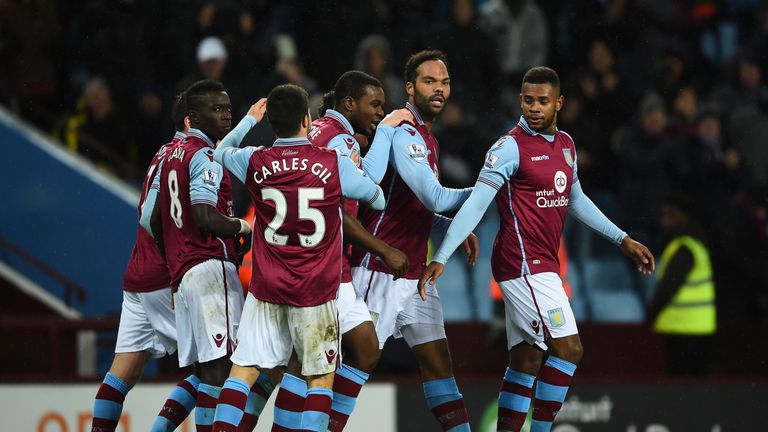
{"points": [[430, 276], [640, 254], [396, 262], [398, 116], [258, 109], [472, 248], [243, 244]]}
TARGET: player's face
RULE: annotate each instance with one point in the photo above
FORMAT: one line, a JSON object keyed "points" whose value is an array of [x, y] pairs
{"points": [[432, 88], [214, 116], [540, 104], [368, 110]]}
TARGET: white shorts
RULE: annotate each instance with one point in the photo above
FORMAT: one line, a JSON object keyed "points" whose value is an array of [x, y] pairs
{"points": [[537, 309], [269, 332], [208, 303], [352, 308], [397, 309], [147, 323]]}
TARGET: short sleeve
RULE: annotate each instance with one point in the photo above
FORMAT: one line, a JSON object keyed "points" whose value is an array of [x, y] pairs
{"points": [[501, 162], [204, 178]]}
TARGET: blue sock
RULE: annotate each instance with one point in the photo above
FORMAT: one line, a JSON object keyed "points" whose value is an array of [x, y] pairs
{"points": [[108, 405], [205, 410], [552, 387], [257, 398], [346, 387], [289, 403], [514, 400], [447, 404], [232, 401], [180, 403], [317, 410]]}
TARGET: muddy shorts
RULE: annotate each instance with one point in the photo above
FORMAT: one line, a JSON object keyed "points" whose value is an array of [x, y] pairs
{"points": [[269, 332]]}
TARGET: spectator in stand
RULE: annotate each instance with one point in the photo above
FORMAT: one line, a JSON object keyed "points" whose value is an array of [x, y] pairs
{"points": [[715, 168], [522, 38], [29, 32], [374, 57], [212, 59], [460, 156], [605, 94], [596, 160], [98, 131], [746, 103], [650, 163], [463, 39], [683, 306], [684, 108]]}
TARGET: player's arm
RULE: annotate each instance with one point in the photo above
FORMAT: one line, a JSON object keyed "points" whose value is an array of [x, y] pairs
{"points": [[228, 153], [471, 244], [586, 212], [501, 164], [149, 201], [376, 161], [205, 179], [156, 224], [355, 185], [356, 234], [409, 158]]}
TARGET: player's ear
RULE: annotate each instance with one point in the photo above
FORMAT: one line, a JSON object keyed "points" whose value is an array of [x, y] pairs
{"points": [[349, 103], [559, 103], [409, 88]]}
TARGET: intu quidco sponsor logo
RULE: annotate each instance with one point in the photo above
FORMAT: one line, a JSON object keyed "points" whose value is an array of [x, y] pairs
{"points": [[560, 201]]}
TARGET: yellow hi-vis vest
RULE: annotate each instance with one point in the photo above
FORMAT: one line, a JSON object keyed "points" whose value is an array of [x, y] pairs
{"points": [[692, 309]]}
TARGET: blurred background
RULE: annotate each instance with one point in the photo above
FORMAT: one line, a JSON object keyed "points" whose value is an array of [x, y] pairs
{"points": [[667, 101]]}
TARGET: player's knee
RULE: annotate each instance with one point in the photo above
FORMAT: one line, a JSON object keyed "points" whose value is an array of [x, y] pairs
{"points": [[215, 372], [366, 360], [572, 352]]}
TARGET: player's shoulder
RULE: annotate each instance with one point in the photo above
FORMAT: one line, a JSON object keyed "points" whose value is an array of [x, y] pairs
{"points": [[565, 135], [344, 139], [505, 144], [504, 150], [201, 156], [407, 127]]}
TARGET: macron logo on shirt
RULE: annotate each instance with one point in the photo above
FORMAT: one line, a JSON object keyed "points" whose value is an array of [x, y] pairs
{"points": [[539, 158]]}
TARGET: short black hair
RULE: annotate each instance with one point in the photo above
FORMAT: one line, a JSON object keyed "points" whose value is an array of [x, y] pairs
{"points": [[420, 57], [287, 105], [329, 102], [179, 111], [542, 75], [198, 90], [352, 84]]}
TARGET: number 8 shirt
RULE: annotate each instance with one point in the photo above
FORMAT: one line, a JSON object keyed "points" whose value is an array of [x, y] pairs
{"points": [[189, 176]]}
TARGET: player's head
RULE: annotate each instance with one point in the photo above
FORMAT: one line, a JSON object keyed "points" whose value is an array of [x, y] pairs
{"points": [[360, 98], [179, 113], [288, 111], [209, 108], [427, 82], [540, 99]]}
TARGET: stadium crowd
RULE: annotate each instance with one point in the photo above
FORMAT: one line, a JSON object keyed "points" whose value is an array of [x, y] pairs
{"points": [[659, 96]]}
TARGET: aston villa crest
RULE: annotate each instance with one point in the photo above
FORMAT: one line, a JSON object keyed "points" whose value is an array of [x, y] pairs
{"points": [[568, 157]]}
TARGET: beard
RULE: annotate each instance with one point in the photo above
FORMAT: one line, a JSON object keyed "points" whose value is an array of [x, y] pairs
{"points": [[545, 124], [424, 106]]}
